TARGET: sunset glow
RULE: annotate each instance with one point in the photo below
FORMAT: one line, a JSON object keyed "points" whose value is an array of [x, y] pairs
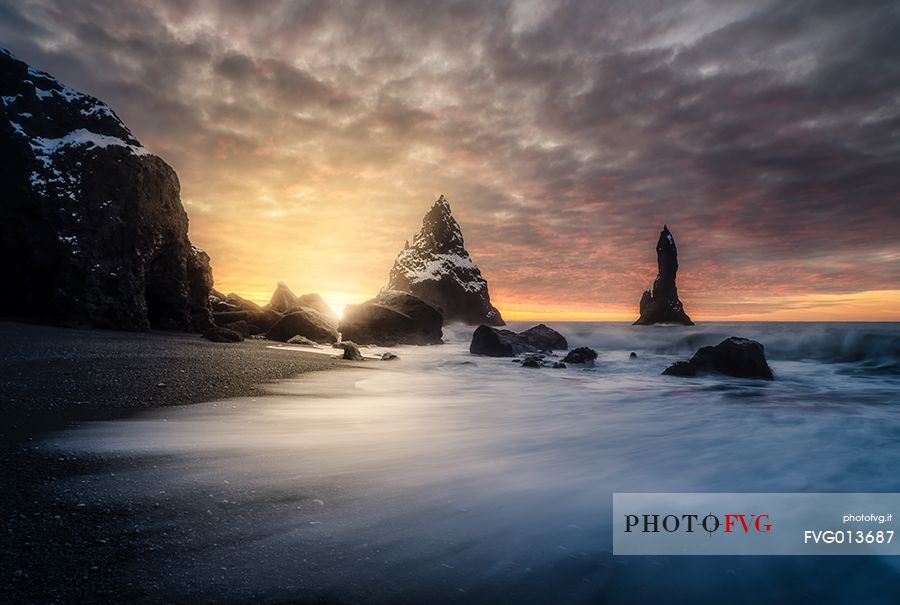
{"points": [[309, 143]]}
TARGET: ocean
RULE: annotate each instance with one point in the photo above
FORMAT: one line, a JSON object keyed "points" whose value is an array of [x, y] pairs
{"points": [[447, 477]]}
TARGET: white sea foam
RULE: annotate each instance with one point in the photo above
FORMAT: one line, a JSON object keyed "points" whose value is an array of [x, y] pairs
{"points": [[449, 477]]}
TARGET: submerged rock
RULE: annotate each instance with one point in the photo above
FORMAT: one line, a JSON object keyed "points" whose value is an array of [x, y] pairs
{"points": [[437, 268], [633, 355], [660, 303], [389, 357], [740, 357], [531, 362], [497, 342], [304, 322], [392, 318], [580, 355], [558, 364], [94, 231]]}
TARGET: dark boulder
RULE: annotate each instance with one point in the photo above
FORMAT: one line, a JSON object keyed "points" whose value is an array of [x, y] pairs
{"points": [[531, 362], [580, 355], [94, 232], [438, 269], [304, 322], [302, 341], [389, 357], [660, 303], [392, 318], [558, 365], [220, 334], [681, 368], [633, 355], [740, 357], [544, 338], [497, 342], [241, 327], [351, 350]]}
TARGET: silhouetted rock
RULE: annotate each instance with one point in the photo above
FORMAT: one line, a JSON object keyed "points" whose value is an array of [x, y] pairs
{"points": [[558, 365], [389, 357], [437, 268], [284, 301], [220, 334], [392, 318], [681, 368], [580, 355], [259, 320], [304, 322], [660, 304], [633, 355], [545, 338], [497, 342], [531, 362], [94, 232], [740, 357]]}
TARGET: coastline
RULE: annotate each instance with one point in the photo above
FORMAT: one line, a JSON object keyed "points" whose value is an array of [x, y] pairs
{"points": [[52, 378]]}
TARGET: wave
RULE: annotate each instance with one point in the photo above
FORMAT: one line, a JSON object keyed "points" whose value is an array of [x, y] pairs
{"points": [[868, 345]]}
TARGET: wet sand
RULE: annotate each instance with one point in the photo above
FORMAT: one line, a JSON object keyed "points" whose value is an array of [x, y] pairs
{"points": [[51, 378]]}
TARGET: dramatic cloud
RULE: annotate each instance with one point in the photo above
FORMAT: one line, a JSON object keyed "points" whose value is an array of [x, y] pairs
{"points": [[310, 137]]}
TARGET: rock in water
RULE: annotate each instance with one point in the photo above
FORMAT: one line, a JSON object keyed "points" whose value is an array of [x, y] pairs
{"points": [[580, 355], [660, 303], [545, 338], [740, 357], [437, 268], [100, 237], [495, 342], [392, 318]]}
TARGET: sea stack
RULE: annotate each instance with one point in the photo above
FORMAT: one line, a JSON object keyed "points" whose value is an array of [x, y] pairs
{"points": [[437, 268], [94, 233], [660, 303]]}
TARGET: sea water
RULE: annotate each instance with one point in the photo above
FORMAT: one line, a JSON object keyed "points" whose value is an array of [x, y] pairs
{"points": [[449, 477]]}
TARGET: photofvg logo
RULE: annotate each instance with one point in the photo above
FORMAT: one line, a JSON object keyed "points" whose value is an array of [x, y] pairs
{"points": [[754, 524], [710, 523]]}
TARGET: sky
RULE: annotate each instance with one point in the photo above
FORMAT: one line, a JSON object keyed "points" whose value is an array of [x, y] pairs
{"points": [[311, 137]]}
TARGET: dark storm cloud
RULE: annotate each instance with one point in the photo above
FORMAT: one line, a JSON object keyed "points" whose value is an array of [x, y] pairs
{"points": [[767, 134]]}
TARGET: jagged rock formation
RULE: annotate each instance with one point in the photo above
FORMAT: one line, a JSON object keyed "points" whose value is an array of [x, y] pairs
{"points": [[733, 356], [495, 342], [392, 318], [284, 301], [94, 232], [437, 268], [660, 303]]}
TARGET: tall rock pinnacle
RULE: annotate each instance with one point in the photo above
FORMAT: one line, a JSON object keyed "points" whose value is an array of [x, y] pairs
{"points": [[437, 268], [660, 303]]}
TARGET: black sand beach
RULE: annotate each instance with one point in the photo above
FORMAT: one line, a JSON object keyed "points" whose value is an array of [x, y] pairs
{"points": [[52, 377]]}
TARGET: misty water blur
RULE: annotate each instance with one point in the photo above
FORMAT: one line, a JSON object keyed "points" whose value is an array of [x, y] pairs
{"points": [[451, 477]]}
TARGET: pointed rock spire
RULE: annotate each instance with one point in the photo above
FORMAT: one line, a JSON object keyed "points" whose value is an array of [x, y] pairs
{"points": [[660, 303], [437, 268]]}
